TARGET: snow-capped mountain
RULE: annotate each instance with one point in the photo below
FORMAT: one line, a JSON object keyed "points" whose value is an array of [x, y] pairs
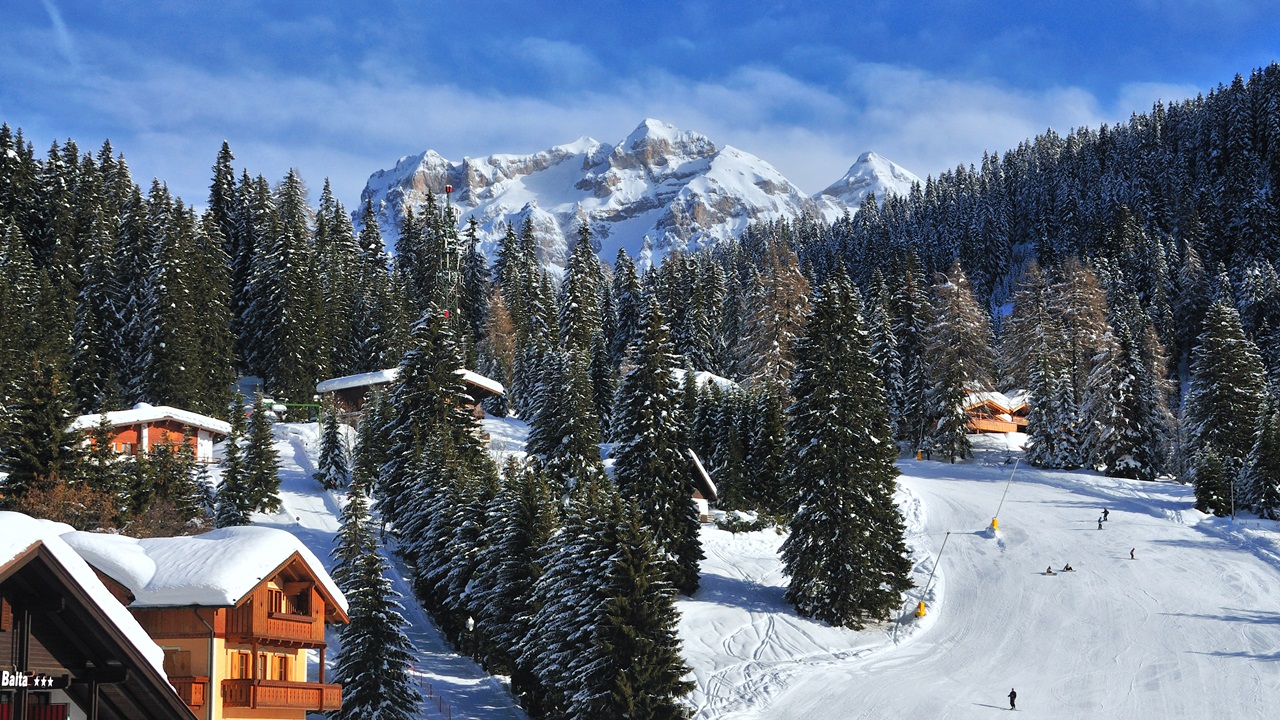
{"points": [[870, 174], [661, 187]]}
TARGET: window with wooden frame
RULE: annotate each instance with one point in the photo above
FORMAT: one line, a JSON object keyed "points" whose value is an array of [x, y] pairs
{"points": [[282, 667], [240, 666], [262, 666], [275, 601]]}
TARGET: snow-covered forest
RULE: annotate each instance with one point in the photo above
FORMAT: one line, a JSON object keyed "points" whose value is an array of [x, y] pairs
{"points": [[1123, 276]]}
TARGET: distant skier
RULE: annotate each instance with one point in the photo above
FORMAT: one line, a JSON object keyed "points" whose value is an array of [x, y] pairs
{"points": [[1131, 557], [1013, 699], [1068, 568], [1099, 523], [1105, 514], [1049, 570]]}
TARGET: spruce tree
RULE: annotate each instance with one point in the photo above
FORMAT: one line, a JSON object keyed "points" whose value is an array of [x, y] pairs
{"points": [[651, 467], [232, 504], [40, 451], [1227, 398], [373, 664], [958, 356], [262, 464], [332, 471], [1259, 481], [846, 553]]}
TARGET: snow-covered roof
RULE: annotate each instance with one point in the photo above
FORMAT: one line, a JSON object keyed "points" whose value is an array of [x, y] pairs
{"points": [[703, 479], [703, 378], [145, 413], [383, 377], [215, 569], [18, 533], [1007, 403]]}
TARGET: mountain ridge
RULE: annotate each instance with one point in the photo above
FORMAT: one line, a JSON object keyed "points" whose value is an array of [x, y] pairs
{"points": [[659, 189]]}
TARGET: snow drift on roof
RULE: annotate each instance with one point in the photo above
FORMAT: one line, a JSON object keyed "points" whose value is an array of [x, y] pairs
{"points": [[144, 413], [383, 377], [703, 378], [19, 532], [215, 569]]}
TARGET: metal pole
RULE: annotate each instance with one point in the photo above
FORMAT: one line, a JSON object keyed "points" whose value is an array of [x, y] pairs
{"points": [[995, 521], [929, 582]]}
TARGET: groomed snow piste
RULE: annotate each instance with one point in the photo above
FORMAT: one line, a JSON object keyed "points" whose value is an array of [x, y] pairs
{"points": [[1188, 629]]}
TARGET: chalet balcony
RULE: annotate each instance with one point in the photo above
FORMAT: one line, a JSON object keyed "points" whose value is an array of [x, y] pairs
{"points": [[244, 625], [35, 712], [312, 697], [192, 690]]}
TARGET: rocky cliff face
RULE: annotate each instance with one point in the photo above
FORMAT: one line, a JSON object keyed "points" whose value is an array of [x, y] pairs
{"points": [[671, 188]]}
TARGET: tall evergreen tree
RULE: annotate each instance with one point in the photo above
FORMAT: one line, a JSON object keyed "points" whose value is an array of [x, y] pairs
{"points": [[232, 503], [40, 451], [651, 467], [332, 470], [262, 464], [958, 356], [846, 553]]}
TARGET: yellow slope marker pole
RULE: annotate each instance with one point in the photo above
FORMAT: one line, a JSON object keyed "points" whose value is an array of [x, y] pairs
{"points": [[920, 610], [995, 521]]}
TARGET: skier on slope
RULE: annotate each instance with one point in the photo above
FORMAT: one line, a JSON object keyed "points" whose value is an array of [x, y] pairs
{"points": [[1013, 699], [1099, 523], [1105, 513]]}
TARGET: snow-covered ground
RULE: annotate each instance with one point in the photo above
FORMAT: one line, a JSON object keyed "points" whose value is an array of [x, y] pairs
{"points": [[1188, 629]]}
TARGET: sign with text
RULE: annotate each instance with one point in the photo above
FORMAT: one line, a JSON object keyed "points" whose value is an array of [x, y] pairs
{"points": [[10, 680]]}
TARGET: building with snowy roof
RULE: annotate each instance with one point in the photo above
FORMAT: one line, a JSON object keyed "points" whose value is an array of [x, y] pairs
{"points": [[996, 412], [348, 392], [236, 611], [142, 427], [72, 649]]}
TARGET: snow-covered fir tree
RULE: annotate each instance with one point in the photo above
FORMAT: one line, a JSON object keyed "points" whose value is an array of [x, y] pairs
{"points": [[231, 503], [846, 553], [1259, 481], [332, 470], [262, 464], [373, 664], [958, 358], [650, 464]]}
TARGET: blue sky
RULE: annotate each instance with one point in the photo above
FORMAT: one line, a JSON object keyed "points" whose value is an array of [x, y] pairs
{"points": [[341, 89]]}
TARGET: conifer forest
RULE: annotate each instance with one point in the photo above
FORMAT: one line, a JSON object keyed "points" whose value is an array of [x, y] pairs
{"points": [[1123, 276]]}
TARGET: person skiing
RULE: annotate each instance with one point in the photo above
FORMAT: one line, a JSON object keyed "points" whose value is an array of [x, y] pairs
{"points": [[1105, 513], [1099, 523], [1067, 568], [1049, 570], [1131, 557], [1013, 699]]}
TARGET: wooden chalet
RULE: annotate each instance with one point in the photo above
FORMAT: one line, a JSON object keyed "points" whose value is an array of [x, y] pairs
{"points": [[235, 610], [995, 412], [348, 392], [139, 429], [71, 651], [704, 490]]}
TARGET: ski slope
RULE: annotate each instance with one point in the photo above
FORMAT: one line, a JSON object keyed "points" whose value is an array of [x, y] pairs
{"points": [[1189, 629]]}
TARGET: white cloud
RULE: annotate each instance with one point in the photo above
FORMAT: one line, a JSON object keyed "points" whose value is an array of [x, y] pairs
{"points": [[175, 116], [66, 45]]}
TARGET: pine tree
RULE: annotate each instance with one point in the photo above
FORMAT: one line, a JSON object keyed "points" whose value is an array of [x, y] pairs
{"points": [[633, 667], [651, 467], [332, 471], [262, 464], [910, 311], [958, 356], [373, 664], [39, 450], [846, 553], [1259, 481], [766, 452], [232, 503], [1227, 398]]}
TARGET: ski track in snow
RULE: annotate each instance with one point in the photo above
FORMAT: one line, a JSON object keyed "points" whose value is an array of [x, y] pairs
{"points": [[1184, 631], [1188, 630], [312, 514]]}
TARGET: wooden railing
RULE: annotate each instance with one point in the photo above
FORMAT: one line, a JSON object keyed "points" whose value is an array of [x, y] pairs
{"points": [[243, 625], [191, 689], [280, 694], [979, 424], [36, 712]]}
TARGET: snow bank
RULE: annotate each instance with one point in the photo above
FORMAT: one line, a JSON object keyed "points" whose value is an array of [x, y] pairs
{"points": [[19, 532]]}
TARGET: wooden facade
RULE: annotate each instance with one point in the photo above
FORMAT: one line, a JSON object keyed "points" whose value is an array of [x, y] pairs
{"points": [[995, 413], [139, 430], [249, 660], [348, 393], [52, 628]]}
